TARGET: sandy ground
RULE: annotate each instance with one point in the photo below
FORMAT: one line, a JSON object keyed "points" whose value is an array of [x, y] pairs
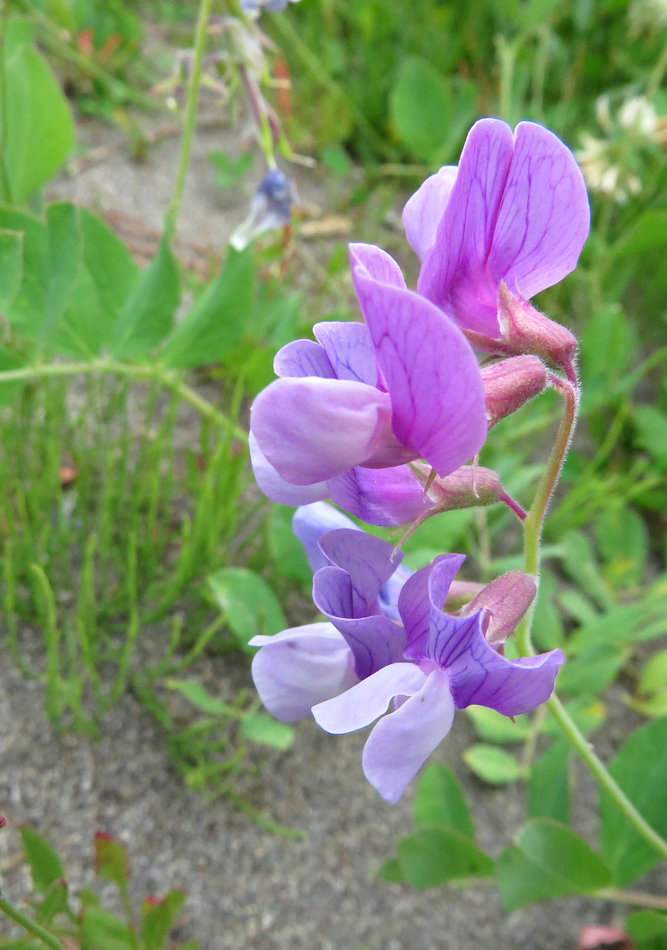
{"points": [[248, 889]]}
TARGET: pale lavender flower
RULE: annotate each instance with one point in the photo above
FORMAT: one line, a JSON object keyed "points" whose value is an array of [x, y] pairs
{"points": [[271, 6], [352, 408], [447, 664], [514, 211]]}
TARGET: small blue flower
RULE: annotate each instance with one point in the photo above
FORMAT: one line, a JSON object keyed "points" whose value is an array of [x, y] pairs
{"points": [[270, 207]]}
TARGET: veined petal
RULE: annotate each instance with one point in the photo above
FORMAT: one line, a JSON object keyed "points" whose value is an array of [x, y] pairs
{"points": [[414, 604], [313, 429], [364, 703], [485, 678], [380, 496], [434, 381], [275, 487], [303, 358], [401, 742], [424, 210], [377, 264], [300, 667], [368, 562], [454, 274], [544, 217], [310, 522], [349, 349]]}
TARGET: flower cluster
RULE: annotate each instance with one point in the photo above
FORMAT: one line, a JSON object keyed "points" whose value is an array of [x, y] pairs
{"points": [[384, 417]]}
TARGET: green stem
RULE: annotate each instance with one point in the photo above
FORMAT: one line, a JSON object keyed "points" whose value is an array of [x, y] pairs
{"points": [[635, 898], [144, 373], [604, 779], [190, 115], [6, 187], [28, 925], [533, 530], [535, 518]]}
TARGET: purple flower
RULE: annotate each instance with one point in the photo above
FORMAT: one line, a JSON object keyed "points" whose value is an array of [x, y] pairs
{"points": [[429, 663], [270, 208], [514, 211], [352, 408], [448, 664]]}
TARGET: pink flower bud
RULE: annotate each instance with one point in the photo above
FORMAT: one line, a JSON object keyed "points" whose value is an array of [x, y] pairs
{"points": [[597, 936], [3, 821], [526, 330], [511, 383], [467, 487], [505, 600]]}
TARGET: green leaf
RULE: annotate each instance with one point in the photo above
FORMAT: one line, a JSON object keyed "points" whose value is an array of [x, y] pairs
{"points": [[266, 729], [548, 860], [646, 924], [440, 801], [492, 764], [40, 128], [103, 931], [9, 361], [432, 856], [549, 784], [648, 231], [494, 727], [217, 320], [147, 314], [427, 110], [54, 902], [652, 432], [45, 865], [640, 768], [248, 603], [622, 540], [286, 549], [591, 670], [390, 871], [157, 918], [199, 697], [65, 249], [11, 266], [111, 861]]}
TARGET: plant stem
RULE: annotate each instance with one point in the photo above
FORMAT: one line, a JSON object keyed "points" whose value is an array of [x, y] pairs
{"points": [[190, 115], [28, 925], [6, 187], [141, 373], [604, 779], [636, 898], [533, 529]]}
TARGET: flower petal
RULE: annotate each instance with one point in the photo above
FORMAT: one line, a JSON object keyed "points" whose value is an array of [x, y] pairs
{"points": [[485, 678], [424, 210], [544, 218], [303, 358], [349, 349], [368, 562], [386, 496], [434, 381], [300, 667], [362, 704], [275, 487], [454, 274], [313, 429], [310, 522], [402, 741], [414, 605]]}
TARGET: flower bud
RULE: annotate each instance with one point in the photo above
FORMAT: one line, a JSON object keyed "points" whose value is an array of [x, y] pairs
{"points": [[510, 383], [467, 487], [505, 600], [526, 330]]}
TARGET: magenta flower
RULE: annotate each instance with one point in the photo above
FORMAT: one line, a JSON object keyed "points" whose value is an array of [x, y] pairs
{"points": [[352, 408], [514, 211], [448, 665]]}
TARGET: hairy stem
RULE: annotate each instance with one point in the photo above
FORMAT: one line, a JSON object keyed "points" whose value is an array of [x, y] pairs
{"points": [[29, 925], [533, 530]]}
